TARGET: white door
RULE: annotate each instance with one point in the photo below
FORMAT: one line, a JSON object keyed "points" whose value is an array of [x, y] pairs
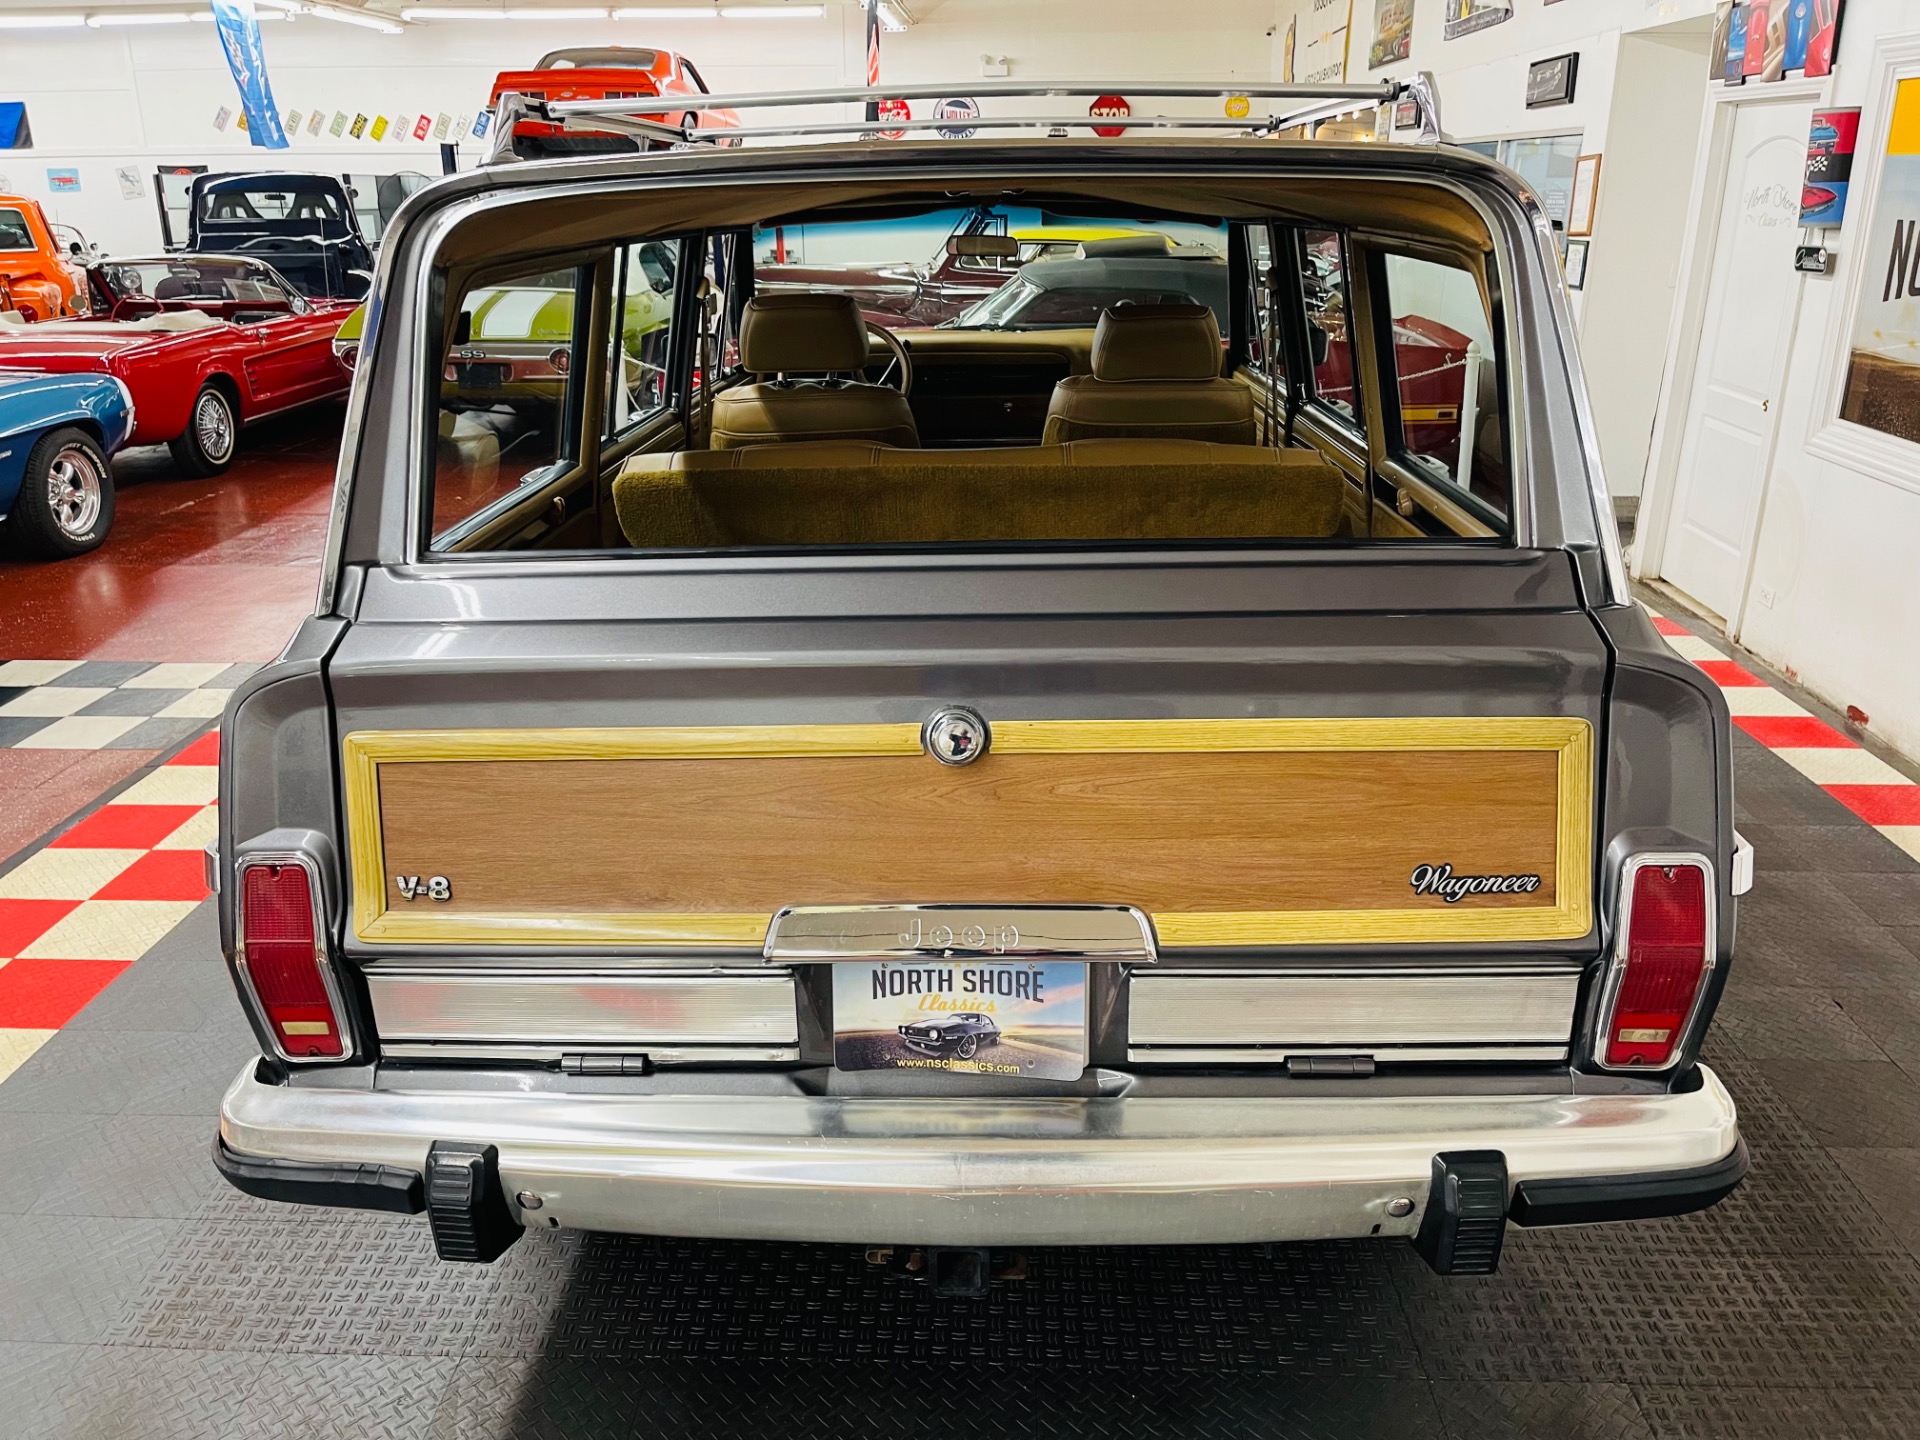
{"points": [[1752, 296]]}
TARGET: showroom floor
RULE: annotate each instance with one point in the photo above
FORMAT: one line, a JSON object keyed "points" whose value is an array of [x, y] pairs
{"points": [[139, 1296]]}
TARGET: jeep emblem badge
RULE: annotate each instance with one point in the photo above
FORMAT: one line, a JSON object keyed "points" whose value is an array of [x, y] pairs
{"points": [[955, 736]]}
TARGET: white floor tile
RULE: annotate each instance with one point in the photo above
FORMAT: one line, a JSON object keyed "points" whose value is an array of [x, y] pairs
{"points": [[1758, 700], [1692, 647], [17, 1046], [197, 704], [57, 874], [54, 700], [1838, 765], [34, 672], [196, 834], [174, 676], [79, 732], [173, 785], [109, 930], [1907, 837]]}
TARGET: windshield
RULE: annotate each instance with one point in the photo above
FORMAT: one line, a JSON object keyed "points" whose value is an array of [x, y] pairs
{"points": [[1004, 268], [186, 281], [14, 234]]}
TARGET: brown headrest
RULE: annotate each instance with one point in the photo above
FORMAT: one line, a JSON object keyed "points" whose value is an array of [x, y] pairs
{"points": [[809, 333], [1156, 342]]}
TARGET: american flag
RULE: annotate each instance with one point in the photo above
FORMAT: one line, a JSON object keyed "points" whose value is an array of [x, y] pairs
{"points": [[873, 54]]}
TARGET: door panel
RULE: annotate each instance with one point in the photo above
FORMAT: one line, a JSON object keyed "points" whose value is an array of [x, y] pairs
{"points": [[1752, 302]]}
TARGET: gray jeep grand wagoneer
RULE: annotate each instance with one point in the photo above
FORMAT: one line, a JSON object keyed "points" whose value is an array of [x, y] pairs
{"points": [[1216, 674]]}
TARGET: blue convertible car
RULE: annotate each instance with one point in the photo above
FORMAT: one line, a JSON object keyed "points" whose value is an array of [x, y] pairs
{"points": [[56, 432]]}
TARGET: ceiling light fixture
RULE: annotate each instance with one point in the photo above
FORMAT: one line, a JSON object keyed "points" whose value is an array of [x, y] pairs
{"points": [[41, 22], [348, 17], [453, 13], [773, 12], [668, 12], [558, 13], [139, 17]]}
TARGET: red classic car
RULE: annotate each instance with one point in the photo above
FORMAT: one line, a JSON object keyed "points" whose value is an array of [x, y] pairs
{"points": [[604, 72], [205, 344]]}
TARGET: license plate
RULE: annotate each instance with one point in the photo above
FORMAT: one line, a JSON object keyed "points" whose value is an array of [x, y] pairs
{"points": [[1012, 1019], [482, 377]]}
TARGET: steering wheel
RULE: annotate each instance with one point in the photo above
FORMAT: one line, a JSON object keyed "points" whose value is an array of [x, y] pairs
{"points": [[901, 361]]}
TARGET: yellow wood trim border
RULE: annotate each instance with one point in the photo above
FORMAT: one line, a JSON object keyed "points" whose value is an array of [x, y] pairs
{"points": [[1570, 917]]}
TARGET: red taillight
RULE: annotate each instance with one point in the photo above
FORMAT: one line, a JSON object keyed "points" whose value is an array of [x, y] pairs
{"points": [[1666, 956], [283, 961]]}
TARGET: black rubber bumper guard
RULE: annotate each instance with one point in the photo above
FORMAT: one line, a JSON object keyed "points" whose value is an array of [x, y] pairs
{"points": [[319, 1182]]}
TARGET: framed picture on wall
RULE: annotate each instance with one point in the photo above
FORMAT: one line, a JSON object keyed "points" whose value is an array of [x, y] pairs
{"points": [[1586, 195], [1573, 261], [1881, 390], [1551, 81]]}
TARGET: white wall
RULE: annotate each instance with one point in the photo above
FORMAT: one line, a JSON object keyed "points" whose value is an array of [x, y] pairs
{"points": [[1834, 597], [99, 99]]}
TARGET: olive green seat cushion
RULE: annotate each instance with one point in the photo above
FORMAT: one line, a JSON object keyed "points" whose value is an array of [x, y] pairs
{"points": [[835, 492]]}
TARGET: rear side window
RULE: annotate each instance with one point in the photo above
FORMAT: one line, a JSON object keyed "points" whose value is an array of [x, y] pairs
{"points": [[1323, 285], [14, 234], [1445, 377], [508, 411], [1266, 347], [645, 280]]}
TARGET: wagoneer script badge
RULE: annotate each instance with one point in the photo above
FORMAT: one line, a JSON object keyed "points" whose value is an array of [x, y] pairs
{"points": [[956, 736], [1440, 880]]}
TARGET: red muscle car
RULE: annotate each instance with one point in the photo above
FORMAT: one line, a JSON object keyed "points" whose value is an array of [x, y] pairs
{"points": [[605, 72], [204, 343]]}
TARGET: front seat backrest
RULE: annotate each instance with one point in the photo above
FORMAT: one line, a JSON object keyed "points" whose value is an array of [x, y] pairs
{"points": [[821, 337], [1156, 374]]}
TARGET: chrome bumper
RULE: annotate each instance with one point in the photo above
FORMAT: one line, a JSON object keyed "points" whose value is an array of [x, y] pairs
{"points": [[984, 1172]]}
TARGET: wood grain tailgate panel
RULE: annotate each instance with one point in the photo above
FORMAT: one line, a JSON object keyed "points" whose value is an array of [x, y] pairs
{"points": [[1232, 843]]}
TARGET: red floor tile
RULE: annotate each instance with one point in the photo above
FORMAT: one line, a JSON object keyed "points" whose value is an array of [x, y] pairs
{"points": [[1793, 732], [1728, 672], [126, 827], [45, 994], [1669, 627], [204, 751], [159, 875], [1880, 804], [24, 921], [40, 788]]}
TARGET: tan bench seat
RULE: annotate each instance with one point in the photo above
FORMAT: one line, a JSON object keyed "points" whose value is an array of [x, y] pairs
{"points": [[838, 492]]}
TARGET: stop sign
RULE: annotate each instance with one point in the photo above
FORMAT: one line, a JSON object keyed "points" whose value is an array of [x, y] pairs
{"points": [[894, 110], [1109, 107]]}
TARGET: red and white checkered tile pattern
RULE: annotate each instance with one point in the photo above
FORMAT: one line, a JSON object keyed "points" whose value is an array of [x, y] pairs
{"points": [[93, 901], [1864, 783]]}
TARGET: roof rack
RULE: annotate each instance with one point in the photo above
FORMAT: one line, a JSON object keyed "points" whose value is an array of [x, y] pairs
{"points": [[627, 117]]}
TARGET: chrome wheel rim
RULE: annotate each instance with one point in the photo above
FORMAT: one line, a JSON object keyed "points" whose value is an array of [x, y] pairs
{"points": [[213, 426], [74, 491]]}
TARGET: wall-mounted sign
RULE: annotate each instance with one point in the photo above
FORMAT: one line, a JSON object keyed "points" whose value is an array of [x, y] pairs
{"points": [[131, 186], [481, 124], [64, 181], [339, 126], [1238, 107], [1313, 41], [895, 110], [1823, 35], [1109, 107], [1830, 143], [315, 121], [359, 127], [1573, 263], [961, 109], [1392, 32], [1551, 81], [1406, 115], [1466, 16], [1883, 371], [222, 116], [1586, 195]]}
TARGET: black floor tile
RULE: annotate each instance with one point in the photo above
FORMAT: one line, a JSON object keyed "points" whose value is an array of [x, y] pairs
{"points": [[154, 996], [1849, 1103], [1725, 1412], [1890, 1181], [36, 1146], [1887, 899], [366, 1397], [1516, 1410], [114, 1393], [1827, 849], [1769, 1022], [140, 1167], [69, 1279]]}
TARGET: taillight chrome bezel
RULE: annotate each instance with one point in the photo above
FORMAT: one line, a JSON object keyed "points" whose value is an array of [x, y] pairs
{"points": [[322, 959], [1602, 1029]]}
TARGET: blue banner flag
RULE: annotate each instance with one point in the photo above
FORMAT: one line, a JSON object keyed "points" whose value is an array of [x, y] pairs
{"points": [[240, 36]]}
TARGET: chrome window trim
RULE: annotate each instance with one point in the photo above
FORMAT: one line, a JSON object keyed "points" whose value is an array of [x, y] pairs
{"points": [[323, 961], [1617, 965], [418, 392], [546, 1054], [1279, 1054]]}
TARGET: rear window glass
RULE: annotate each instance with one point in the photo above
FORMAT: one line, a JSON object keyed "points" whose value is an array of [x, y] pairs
{"points": [[991, 376]]}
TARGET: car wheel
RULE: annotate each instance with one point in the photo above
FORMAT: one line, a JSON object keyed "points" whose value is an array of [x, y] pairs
{"points": [[212, 435], [65, 505], [968, 1047]]}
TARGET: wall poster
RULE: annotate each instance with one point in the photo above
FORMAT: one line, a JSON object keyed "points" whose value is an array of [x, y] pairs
{"points": [[1466, 16], [1392, 32], [1882, 390], [1830, 144], [1313, 41]]}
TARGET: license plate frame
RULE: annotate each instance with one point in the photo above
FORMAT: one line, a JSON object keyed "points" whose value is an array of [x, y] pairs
{"points": [[1003, 1019]]}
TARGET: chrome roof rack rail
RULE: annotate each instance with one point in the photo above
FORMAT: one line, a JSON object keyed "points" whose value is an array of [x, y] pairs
{"points": [[624, 116]]}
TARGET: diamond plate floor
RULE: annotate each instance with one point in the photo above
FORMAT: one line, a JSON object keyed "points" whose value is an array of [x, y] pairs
{"points": [[140, 1297]]}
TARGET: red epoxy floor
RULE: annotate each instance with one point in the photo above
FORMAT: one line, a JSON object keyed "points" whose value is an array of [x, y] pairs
{"points": [[219, 569], [202, 571]]}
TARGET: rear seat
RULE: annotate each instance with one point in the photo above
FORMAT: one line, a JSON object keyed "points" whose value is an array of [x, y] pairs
{"points": [[842, 492]]}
